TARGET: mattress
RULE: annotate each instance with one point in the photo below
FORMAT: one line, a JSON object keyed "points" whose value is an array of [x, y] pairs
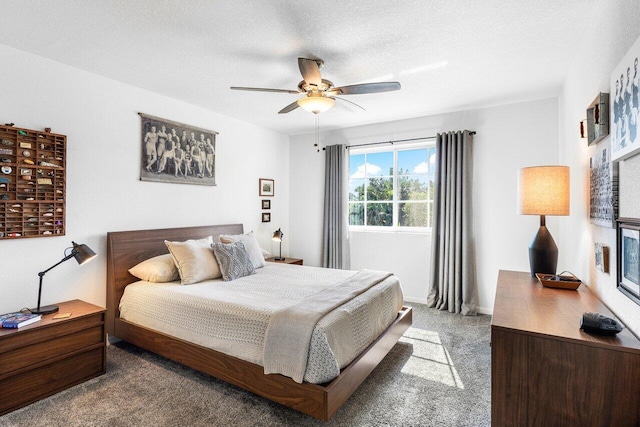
{"points": [[232, 317]]}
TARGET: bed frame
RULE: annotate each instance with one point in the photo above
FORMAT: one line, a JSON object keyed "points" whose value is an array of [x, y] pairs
{"points": [[127, 248]]}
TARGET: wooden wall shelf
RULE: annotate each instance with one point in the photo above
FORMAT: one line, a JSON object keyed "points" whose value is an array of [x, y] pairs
{"points": [[32, 183]]}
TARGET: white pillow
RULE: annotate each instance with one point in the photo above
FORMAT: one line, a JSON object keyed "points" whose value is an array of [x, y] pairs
{"points": [[158, 269], [195, 260], [251, 246]]}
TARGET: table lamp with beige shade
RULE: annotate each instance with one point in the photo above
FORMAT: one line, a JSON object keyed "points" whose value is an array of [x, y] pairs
{"points": [[543, 190]]}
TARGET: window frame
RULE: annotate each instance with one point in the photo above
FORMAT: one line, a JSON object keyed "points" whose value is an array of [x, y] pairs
{"points": [[394, 228]]}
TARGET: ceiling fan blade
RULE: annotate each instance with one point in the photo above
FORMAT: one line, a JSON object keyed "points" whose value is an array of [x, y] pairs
{"points": [[310, 71], [346, 100], [365, 88], [289, 108], [261, 89]]}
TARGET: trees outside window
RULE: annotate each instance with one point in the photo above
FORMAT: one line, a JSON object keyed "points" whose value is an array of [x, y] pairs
{"points": [[392, 189]]}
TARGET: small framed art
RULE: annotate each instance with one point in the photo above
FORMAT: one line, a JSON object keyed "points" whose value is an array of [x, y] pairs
{"points": [[266, 216], [603, 207], [266, 204], [602, 257], [267, 187], [628, 262]]}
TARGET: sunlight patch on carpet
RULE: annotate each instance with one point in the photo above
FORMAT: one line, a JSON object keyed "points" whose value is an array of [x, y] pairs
{"points": [[430, 359]]}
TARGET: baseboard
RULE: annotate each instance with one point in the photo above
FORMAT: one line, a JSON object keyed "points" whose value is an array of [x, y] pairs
{"points": [[480, 310], [418, 300]]}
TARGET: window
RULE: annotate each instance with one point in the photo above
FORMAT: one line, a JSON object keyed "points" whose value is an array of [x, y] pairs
{"points": [[392, 188]]}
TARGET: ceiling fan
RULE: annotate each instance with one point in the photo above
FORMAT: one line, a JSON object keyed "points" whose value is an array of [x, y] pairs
{"points": [[320, 93]]}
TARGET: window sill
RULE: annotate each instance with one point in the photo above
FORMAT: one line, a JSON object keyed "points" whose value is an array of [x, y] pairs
{"points": [[390, 230]]}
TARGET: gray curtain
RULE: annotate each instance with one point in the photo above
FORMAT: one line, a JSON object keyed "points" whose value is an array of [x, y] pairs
{"points": [[336, 226], [452, 285]]}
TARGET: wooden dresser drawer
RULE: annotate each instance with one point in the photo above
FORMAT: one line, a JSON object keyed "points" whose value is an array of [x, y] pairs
{"points": [[51, 355], [43, 351], [48, 379], [37, 334]]}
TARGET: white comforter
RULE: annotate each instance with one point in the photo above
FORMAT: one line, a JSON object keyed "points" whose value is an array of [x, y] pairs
{"points": [[232, 317]]}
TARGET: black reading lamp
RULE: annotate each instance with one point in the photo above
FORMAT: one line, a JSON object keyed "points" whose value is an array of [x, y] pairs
{"points": [[82, 253], [277, 237]]}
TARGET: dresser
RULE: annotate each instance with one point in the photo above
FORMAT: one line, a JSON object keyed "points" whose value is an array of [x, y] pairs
{"points": [[51, 355], [546, 371]]}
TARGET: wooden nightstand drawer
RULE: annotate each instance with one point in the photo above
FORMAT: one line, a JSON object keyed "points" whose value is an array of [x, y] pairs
{"points": [[43, 381], [38, 332], [50, 355], [41, 352]]}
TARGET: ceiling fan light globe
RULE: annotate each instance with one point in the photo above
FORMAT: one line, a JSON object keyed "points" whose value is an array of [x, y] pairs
{"points": [[316, 104]]}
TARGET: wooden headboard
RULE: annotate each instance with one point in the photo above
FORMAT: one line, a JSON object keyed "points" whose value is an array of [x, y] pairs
{"points": [[127, 248]]}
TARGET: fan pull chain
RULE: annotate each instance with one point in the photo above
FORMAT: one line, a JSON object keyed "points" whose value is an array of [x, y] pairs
{"points": [[317, 143]]}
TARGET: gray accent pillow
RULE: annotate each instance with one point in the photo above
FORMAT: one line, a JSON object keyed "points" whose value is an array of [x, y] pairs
{"points": [[233, 259]]}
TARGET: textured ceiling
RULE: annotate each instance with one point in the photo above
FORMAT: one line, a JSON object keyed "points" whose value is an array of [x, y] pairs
{"points": [[448, 54]]}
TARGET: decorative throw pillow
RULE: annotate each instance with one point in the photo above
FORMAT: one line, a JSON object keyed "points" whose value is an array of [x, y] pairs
{"points": [[251, 246], [233, 259], [194, 259], [158, 269]]}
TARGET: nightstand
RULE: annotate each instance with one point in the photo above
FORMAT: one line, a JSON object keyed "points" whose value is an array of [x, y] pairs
{"points": [[296, 261], [51, 355]]}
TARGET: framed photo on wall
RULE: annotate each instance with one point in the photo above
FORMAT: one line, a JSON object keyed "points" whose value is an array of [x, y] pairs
{"points": [[266, 204], [603, 186], [266, 217], [267, 187], [602, 257], [177, 153], [628, 268], [624, 105]]}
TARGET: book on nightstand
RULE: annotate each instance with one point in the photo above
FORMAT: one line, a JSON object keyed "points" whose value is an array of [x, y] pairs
{"points": [[18, 320]]}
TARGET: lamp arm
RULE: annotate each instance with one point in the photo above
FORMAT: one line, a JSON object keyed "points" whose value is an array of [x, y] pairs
{"points": [[68, 257], [42, 273]]}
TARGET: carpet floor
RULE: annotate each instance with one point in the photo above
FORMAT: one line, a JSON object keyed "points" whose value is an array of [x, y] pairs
{"points": [[437, 375]]}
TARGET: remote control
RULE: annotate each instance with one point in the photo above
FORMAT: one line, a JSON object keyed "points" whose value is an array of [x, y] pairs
{"points": [[600, 324]]}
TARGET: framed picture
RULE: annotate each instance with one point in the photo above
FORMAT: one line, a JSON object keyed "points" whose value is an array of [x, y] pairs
{"points": [[266, 187], [628, 268], [598, 119], [266, 216], [176, 153], [624, 105], [266, 204], [602, 257], [603, 183]]}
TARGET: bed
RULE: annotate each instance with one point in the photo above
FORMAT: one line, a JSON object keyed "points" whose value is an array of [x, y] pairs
{"points": [[128, 248]]}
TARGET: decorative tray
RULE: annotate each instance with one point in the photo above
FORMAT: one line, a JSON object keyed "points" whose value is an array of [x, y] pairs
{"points": [[559, 281]]}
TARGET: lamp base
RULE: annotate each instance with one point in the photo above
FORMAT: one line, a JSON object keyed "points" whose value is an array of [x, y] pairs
{"points": [[46, 309], [279, 258], [543, 253]]}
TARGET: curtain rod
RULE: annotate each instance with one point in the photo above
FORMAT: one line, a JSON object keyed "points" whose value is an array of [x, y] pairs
{"points": [[398, 140]]}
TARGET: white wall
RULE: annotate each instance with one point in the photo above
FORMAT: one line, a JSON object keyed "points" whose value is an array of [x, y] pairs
{"points": [[104, 193], [615, 30], [508, 138]]}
